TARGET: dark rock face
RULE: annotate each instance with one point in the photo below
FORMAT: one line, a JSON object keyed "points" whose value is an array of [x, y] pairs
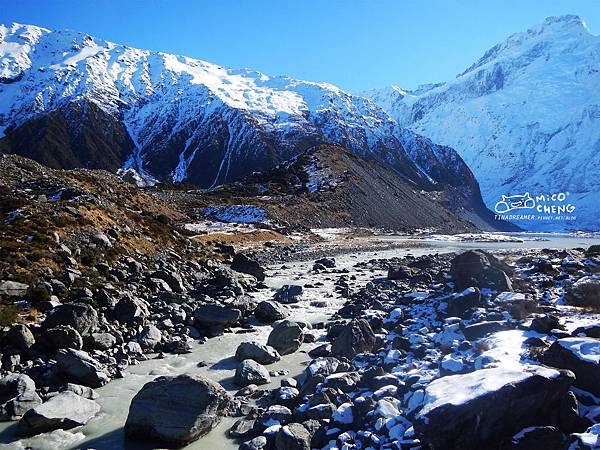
{"points": [[459, 414], [62, 336], [208, 315], [21, 337], [462, 301], [81, 316], [480, 269], [66, 410], [80, 367], [293, 436], [580, 355], [262, 354], [129, 309], [286, 337], [251, 372], [584, 292], [356, 337], [175, 411], [544, 324], [270, 311], [288, 293], [537, 438], [241, 263], [17, 396]]}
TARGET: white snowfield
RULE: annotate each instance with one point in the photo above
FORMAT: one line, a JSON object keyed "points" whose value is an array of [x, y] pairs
{"points": [[525, 117]]}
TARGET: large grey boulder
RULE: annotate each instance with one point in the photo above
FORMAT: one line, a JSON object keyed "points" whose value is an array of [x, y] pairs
{"points": [[62, 336], [175, 411], [286, 337], [208, 315], [81, 316], [102, 341], [150, 337], [481, 408], [65, 410], [293, 436], [251, 372], [270, 311], [460, 302], [130, 309], [289, 293], [13, 289], [241, 263], [356, 337], [263, 354], [476, 268], [581, 355], [80, 367], [20, 336], [17, 396], [584, 292]]}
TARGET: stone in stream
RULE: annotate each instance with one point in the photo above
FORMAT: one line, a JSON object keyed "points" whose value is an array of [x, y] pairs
{"points": [[175, 411], [357, 337], [262, 354], [17, 396], [208, 315], [481, 408], [250, 372], [286, 337], [66, 410], [241, 263], [288, 293], [79, 366], [292, 436], [476, 268], [81, 316], [581, 355], [270, 311]]}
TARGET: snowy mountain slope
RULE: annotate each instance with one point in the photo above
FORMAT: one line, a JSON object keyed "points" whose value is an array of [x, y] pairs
{"points": [[525, 117]]}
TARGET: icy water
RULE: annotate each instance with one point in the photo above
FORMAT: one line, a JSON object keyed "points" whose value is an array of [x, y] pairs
{"points": [[105, 432]]}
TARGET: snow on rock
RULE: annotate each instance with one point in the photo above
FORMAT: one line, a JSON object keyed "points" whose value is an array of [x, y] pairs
{"points": [[236, 213]]}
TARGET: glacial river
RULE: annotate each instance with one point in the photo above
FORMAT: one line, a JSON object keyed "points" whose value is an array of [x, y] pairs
{"points": [[105, 431]]}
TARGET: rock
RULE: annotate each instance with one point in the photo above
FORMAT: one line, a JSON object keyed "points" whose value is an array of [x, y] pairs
{"points": [[62, 336], [175, 411], [481, 329], [292, 436], [81, 367], [251, 372], [288, 293], [82, 391], [241, 263], [462, 301], [208, 315], [172, 279], [326, 262], [357, 337], [262, 354], [100, 239], [538, 438], [476, 268], [400, 273], [544, 324], [286, 337], [270, 311], [258, 443], [66, 410], [581, 355], [479, 409], [584, 292], [17, 396], [81, 316], [20, 336], [241, 428], [149, 337], [13, 289], [592, 330], [102, 341], [593, 250], [130, 309]]}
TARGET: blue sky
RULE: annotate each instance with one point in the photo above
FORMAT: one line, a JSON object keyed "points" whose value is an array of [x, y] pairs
{"points": [[354, 44]]}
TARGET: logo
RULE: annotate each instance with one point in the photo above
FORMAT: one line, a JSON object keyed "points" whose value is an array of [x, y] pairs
{"points": [[509, 203]]}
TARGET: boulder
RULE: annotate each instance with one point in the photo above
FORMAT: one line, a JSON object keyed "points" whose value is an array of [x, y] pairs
{"points": [[66, 410], [20, 336], [481, 329], [62, 336], [241, 263], [262, 354], [288, 293], [130, 309], [584, 292], [81, 316], [270, 311], [208, 315], [400, 273], [172, 279], [102, 341], [592, 330], [462, 301], [481, 408], [17, 396], [13, 289], [326, 262], [581, 355], [293, 436], [286, 337], [80, 367], [476, 268], [544, 323], [593, 250], [175, 411], [357, 337], [250, 372], [149, 337], [100, 239], [538, 438]]}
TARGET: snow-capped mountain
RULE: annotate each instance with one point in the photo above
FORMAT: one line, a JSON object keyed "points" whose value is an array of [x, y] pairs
{"points": [[525, 117], [69, 99]]}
